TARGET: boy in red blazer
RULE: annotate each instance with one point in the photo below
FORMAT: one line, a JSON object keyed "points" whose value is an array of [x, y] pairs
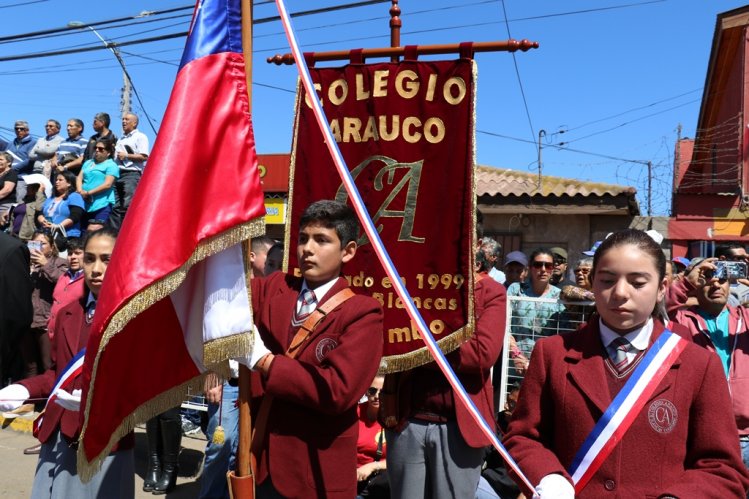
{"points": [[309, 446]]}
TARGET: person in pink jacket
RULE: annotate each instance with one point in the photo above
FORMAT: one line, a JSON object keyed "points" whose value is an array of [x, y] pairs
{"points": [[69, 287], [720, 328]]}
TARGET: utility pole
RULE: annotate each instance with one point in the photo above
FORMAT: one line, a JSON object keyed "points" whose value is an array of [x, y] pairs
{"points": [[650, 188], [128, 86], [127, 92], [541, 133], [677, 168]]}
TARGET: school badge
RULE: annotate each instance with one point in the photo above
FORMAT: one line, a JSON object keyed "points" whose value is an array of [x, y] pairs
{"points": [[662, 416], [324, 346]]}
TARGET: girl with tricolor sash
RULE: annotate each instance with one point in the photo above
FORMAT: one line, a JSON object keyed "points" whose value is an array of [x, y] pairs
{"points": [[623, 407]]}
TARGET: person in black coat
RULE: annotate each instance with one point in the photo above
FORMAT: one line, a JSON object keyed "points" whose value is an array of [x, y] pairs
{"points": [[16, 311]]}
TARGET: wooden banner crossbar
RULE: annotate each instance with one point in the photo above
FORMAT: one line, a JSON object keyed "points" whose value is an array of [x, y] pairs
{"points": [[449, 48]]}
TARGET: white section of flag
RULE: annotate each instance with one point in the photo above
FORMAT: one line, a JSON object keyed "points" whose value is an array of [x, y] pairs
{"points": [[213, 301]]}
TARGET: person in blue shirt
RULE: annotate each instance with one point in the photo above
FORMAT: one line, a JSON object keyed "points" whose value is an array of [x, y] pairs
{"points": [[65, 208], [19, 149], [95, 183]]}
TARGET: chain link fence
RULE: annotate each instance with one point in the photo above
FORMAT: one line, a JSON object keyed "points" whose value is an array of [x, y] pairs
{"points": [[528, 320]]}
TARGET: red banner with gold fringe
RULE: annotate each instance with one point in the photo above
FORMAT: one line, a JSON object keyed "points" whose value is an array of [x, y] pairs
{"points": [[406, 131]]}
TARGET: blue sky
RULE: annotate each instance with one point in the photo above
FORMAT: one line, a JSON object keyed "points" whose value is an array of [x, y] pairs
{"points": [[617, 76]]}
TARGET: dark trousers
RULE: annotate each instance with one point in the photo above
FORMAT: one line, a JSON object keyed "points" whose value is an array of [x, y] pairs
{"points": [[124, 189]]}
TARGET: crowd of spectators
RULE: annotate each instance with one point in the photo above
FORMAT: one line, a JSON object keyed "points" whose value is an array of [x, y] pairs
{"points": [[94, 178], [54, 189]]}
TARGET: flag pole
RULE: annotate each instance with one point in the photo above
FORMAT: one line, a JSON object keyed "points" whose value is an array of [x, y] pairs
{"points": [[241, 480]]}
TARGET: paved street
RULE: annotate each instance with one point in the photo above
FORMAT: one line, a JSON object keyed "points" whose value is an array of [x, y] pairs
{"points": [[18, 471]]}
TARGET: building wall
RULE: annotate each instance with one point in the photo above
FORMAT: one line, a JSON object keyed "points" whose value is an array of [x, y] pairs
{"points": [[570, 232]]}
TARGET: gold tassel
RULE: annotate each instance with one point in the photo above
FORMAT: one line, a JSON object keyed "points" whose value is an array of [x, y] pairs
{"points": [[218, 435]]}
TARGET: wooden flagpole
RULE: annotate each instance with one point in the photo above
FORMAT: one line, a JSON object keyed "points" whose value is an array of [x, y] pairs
{"points": [[241, 480]]}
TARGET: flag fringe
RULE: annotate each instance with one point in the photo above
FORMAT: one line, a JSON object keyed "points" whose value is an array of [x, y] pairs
{"points": [[221, 349], [138, 304], [169, 283], [161, 403]]}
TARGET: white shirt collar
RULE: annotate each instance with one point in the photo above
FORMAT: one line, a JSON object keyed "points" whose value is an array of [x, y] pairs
{"points": [[639, 338], [321, 290]]}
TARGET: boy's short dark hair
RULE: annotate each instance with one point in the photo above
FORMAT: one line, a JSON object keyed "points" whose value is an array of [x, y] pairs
{"points": [[74, 243], [260, 243], [332, 215]]}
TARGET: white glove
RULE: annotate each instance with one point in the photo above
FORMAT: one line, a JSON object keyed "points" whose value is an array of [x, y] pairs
{"points": [[554, 486], [12, 397], [259, 350], [69, 401]]}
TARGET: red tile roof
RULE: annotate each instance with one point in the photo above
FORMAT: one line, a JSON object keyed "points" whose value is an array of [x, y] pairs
{"points": [[504, 182]]}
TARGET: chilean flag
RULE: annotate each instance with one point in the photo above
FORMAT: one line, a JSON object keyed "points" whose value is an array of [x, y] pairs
{"points": [[175, 300]]}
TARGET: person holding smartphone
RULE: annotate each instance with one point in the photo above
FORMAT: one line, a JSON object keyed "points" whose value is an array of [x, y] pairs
{"points": [[719, 327], [46, 269]]}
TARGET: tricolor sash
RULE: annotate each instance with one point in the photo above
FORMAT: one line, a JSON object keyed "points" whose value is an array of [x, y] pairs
{"points": [[66, 378], [625, 407]]}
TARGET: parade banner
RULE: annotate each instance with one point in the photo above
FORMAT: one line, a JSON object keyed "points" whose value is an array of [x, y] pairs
{"points": [[175, 301], [406, 132]]}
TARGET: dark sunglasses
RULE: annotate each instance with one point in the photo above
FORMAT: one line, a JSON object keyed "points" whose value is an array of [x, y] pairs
{"points": [[541, 265], [21, 128], [101, 149], [559, 261], [372, 391]]}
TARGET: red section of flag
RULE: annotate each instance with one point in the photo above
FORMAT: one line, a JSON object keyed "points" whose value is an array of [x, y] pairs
{"points": [[201, 183]]}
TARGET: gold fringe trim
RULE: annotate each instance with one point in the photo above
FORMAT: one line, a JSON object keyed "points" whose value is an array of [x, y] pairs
{"points": [[139, 303], [169, 283], [292, 170], [157, 405], [403, 362], [221, 349]]}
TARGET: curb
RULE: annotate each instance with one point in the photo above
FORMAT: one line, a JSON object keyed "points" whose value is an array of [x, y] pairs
{"points": [[23, 424]]}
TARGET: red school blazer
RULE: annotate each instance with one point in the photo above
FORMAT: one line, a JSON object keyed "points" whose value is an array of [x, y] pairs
{"points": [[691, 453], [310, 447]]}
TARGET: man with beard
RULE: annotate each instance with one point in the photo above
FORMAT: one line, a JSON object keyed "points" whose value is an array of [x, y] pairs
{"points": [[559, 272], [719, 327]]}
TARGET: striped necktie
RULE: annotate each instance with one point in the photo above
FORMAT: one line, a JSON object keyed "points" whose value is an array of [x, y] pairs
{"points": [[620, 347], [306, 304]]}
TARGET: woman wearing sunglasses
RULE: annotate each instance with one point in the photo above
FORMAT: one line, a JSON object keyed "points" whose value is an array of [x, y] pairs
{"points": [[94, 183], [532, 319], [371, 473]]}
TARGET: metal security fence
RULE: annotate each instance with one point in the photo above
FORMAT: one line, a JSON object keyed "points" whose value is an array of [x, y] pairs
{"points": [[529, 319]]}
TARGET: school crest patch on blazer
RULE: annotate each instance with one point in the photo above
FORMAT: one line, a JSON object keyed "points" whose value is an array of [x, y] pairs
{"points": [[662, 416], [324, 346]]}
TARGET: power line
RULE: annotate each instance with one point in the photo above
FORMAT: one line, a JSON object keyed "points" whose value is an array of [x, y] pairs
{"points": [[639, 108], [627, 160], [21, 4], [72, 32], [95, 24], [517, 73], [36, 55], [629, 122]]}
